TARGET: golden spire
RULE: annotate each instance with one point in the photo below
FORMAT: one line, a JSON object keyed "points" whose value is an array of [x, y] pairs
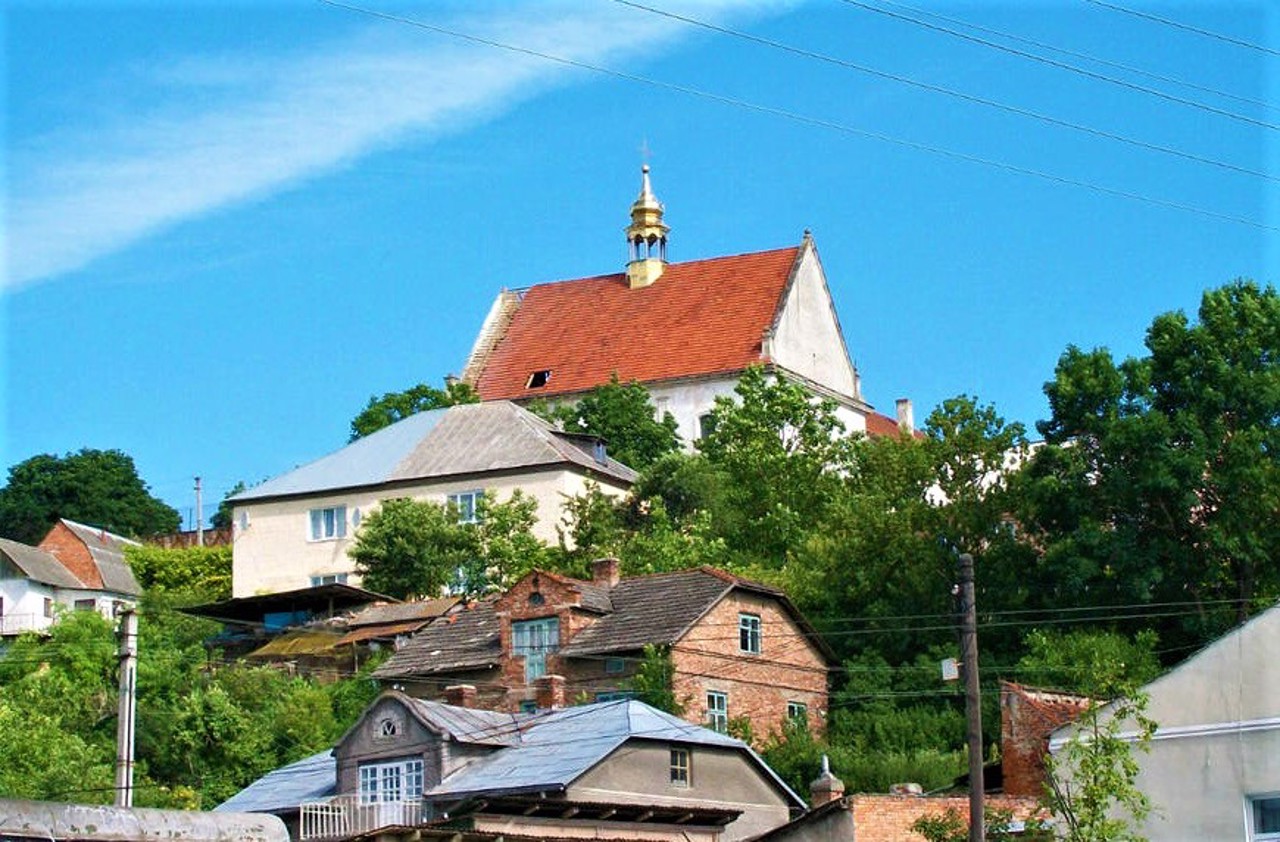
{"points": [[646, 236]]}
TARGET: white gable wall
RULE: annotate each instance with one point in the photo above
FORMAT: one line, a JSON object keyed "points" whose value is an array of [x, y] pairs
{"points": [[273, 550], [24, 604], [807, 338]]}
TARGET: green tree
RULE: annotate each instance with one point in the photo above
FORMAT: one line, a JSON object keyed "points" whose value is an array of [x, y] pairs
{"points": [[222, 517], [396, 406], [1090, 662], [202, 573], [622, 415], [412, 548], [654, 681], [1161, 474], [98, 487]]}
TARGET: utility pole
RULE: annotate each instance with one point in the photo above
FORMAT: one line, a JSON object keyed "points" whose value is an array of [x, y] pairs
{"points": [[128, 707], [199, 517], [972, 696]]}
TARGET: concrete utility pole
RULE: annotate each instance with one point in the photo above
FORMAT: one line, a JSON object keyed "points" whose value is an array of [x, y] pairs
{"points": [[128, 706], [972, 696], [199, 516]]}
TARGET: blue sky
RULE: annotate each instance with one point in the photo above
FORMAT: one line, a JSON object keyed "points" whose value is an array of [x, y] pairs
{"points": [[228, 225]]}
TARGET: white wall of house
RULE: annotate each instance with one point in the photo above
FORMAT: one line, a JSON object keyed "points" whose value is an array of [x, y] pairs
{"points": [[1218, 740], [807, 337], [24, 608], [273, 550]]}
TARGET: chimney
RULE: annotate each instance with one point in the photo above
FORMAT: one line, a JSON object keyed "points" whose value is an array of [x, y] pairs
{"points": [[549, 692], [606, 571], [826, 787], [906, 418], [460, 695]]}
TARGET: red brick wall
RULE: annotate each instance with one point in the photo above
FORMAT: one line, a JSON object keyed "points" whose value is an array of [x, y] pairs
{"points": [[73, 554], [789, 668], [888, 818], [1025, 724]]}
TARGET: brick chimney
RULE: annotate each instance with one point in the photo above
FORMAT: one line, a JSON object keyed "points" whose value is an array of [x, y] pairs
{"points": [[606, 571], [906, 416], [549, 692], [826, 787], [460, 695]]}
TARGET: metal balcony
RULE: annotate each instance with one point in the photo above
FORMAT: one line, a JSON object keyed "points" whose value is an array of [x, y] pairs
{"points": [[344, 816]]}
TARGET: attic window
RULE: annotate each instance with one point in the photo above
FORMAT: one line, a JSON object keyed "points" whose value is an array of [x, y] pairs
{"points": [[538, 379]]}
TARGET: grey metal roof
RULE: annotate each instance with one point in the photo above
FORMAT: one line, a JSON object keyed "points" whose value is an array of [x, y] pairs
{"points": [[469, 725], [107, 550], [380, 614], [465, 439], [467, 637], [39, 566], [286, 788]]}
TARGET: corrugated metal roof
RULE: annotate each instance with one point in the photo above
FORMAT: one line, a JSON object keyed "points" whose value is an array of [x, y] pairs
{"points": [[457, 440], [287, 787], [107, 550], [38, 565]]}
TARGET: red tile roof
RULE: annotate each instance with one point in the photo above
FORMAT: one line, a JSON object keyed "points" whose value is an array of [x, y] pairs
{"points": [[702, 317], [882, 425]]}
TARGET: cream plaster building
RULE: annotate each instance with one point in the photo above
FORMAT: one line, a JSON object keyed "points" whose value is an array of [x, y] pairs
{"points": [[687, 331], [294, 531]]}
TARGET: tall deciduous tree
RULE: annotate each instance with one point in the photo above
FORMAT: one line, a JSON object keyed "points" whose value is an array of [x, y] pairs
{"points": [[1161, 476], [98, 487], [622, 414], [396, 406]]}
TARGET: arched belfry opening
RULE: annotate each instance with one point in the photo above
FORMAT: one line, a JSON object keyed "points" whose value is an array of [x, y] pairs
{"points": [[646, 236]]}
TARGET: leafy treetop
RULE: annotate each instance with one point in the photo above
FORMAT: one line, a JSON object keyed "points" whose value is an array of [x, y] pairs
{"points": [[396, 406]]}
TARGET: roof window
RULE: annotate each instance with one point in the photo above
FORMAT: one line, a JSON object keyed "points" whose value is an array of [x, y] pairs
{"points": [[538, 379]]}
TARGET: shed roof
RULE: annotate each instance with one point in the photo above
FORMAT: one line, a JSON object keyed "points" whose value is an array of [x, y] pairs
{"points": [[702, 317], [38, 565], [458, 440]]}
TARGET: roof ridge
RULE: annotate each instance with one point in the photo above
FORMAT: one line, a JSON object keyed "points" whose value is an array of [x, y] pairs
{"points": [[622, 276]]}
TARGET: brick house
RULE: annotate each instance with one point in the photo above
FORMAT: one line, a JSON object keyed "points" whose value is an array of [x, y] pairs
{"points": [[739, 649], [1027, 719]]}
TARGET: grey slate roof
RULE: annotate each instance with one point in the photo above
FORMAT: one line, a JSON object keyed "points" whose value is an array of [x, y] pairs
{"points": [[464, 639], [286, 788], [379, 614], [457, 440], [38, 565], [107, 550]]}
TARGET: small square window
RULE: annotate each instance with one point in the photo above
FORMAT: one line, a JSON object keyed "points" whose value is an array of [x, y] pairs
{"points": [[528, 706], [330, 523], [468, 505], [718, 711], [797, 712], [614, 666], [749, 633], [1264, 818], [85, 605], [680, 767]]}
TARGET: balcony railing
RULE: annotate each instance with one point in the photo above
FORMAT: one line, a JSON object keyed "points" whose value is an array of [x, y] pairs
{"points": [[11, 624], [344, 816]]}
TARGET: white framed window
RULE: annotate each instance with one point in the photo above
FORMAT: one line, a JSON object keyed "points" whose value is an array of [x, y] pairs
{"points": [[1264, 817], [328, 524], [391, 781], [749, 633], [468, 503], [533, 640], [797, 712], [718, 711], [680, 771], [329, 579]]}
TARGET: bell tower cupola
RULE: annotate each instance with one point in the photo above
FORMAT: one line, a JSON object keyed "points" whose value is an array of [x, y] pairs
{"points": [[646, 237]]}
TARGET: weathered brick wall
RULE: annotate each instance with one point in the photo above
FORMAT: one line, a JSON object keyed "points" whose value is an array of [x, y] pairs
{"points": [[888, 818], [1027, 717], [73, 554], [789, 668]]}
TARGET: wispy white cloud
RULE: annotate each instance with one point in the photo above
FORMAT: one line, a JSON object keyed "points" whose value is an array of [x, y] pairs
{"points": [[265, 124]]}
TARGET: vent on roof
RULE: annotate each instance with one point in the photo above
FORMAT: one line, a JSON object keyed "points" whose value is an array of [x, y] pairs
{"points": [[538, 379]]}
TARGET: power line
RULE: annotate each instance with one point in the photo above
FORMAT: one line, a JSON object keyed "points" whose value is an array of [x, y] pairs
{"points": [[1218, 36], [1101, 77], [906, 80], [814, 121], [1137, 71]]}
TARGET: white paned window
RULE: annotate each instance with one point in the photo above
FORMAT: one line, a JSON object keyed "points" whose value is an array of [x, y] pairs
{"points": [[1264, 818], [797, 712], [329, 579], [533, 640], [718, 711], [330, 523], [468, 503], [680, 767], [749, 633], [391, 781]]}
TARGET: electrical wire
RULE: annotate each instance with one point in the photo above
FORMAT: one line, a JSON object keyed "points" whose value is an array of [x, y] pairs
{"points": [[812, 121], [977, 100], [1100, 77], [1116, 7]]}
